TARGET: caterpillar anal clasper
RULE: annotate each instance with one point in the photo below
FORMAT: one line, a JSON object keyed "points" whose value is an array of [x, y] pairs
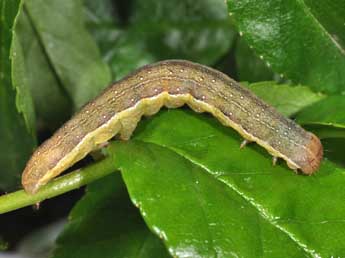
{"points": [[171, 83]]}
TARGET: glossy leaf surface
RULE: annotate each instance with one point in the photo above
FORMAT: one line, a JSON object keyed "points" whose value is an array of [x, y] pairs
{"points": [[299, 39]]}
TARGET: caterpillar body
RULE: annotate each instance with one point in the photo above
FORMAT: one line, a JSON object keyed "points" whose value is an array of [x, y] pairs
{"points": [[171, 83]]}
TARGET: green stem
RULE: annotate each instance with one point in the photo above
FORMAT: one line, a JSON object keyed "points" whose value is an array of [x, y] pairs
{"points": [[63, 184]]}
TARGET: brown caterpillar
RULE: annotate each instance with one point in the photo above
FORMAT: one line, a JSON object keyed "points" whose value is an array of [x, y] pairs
{"points": [[172, 83]]}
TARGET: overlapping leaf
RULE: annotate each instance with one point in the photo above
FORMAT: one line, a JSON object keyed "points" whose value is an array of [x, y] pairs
{"points": [[329, 112], [287, 99]]}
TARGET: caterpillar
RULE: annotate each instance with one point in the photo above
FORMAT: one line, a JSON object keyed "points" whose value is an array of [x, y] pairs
{"points": [[171, 83]]}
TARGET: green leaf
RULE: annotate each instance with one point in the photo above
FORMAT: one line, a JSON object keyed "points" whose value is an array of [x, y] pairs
{"points": [[296, 38], [71, 51], [52, 104], [205, 196], [159, 30], [105, 224], [17, 117], [196, 214], [329, 111], [287, 99]]}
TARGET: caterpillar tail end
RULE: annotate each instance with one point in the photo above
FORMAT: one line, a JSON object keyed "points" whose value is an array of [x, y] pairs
{"points": [[313, 156]]}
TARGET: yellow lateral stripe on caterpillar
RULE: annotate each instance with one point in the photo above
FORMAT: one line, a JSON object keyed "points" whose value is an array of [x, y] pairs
{"points": [[171, 83]]}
